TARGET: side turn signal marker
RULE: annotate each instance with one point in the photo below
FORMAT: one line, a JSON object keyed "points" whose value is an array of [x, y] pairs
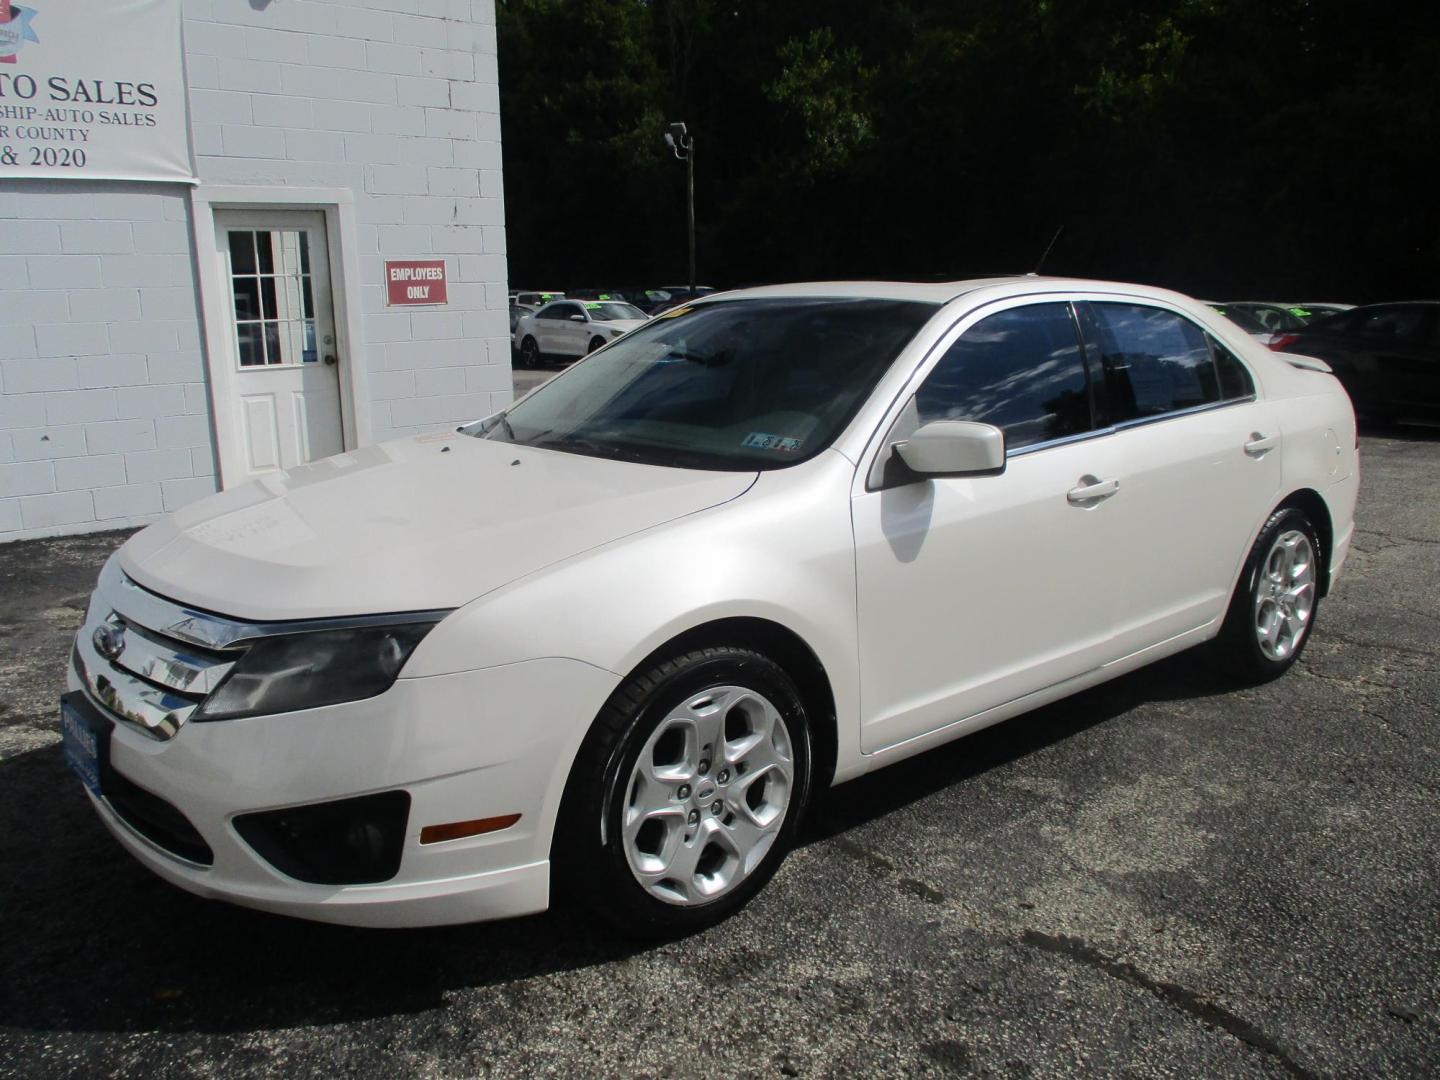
{"points": [[457, 830]]}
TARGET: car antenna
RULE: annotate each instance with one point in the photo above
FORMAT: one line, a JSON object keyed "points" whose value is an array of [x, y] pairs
{"points": [[1038, 265]]}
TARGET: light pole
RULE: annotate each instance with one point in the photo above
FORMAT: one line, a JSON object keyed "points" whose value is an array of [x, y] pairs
{"points": [[682, 145]]}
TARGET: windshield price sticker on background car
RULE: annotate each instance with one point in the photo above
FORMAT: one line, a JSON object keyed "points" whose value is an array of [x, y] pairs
{"points": [[415, 281]]}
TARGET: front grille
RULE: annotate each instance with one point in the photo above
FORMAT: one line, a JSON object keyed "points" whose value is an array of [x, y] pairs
{"points": [[142, 659]]}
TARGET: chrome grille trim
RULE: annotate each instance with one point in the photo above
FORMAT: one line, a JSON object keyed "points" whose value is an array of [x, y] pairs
{"points": [[172, 664]]}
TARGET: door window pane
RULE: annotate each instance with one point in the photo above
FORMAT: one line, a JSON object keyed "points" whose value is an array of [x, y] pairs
{"points": [[242, 252], [1155, 361], [265, 251], [247, 298], [273, 295], [1020, 370], [252, 352]]}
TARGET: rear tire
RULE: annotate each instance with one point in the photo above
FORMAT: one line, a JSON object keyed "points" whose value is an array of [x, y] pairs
{"points": [[1273, 610], [686, 794], [529, 353]]}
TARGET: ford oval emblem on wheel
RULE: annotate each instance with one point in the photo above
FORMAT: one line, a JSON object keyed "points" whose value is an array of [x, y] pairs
{"points": [[109, 640]]}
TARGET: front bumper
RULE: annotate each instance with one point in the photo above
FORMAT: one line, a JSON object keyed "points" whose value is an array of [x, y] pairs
{"points": [[476, 744]]}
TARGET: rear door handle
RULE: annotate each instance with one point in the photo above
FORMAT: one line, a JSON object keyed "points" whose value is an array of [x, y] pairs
{"points": [[1092, 490], [1260, 444]]}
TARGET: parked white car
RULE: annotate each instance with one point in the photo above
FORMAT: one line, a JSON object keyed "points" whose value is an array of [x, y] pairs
{"points": [[618, 635], [572, 328]]}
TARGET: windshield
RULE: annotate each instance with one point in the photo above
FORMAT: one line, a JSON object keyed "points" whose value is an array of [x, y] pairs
{"points": [[607, 311], [732, 385]]}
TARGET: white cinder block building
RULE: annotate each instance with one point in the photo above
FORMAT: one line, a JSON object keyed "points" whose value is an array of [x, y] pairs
{"points": [[237, 235]]}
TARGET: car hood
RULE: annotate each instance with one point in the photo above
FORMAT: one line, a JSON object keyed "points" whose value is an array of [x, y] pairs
{"points": [[623, 325], [427, 522]]}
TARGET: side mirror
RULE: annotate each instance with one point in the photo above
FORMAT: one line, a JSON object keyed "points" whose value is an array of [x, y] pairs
{"points": [[577, 318], [954, 448]]}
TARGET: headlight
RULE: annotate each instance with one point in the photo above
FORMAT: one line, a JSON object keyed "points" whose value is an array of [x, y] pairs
{"points": [[307, 670]]}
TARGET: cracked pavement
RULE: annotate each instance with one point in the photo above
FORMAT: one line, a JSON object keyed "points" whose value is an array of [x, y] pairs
{"points": [[1162, 876]]}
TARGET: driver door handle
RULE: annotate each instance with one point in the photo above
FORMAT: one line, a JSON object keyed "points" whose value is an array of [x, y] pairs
{"points": [[1260, 444], [1092, 490]]}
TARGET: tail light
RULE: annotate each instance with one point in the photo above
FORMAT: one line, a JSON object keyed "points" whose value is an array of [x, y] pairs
{"points": [[1282, 340]]}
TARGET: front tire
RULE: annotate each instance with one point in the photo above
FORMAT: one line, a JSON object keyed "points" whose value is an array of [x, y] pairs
{"points": [[1274, 606], [687, 792], [595, 343]]}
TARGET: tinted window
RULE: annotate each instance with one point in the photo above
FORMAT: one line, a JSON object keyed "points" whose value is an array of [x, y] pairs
{"points": [[1397, 324], [1273, 319], [1155, 361], [1020, 370], [1241, 318], [743, 384], [606, 311], [1235, 380]]}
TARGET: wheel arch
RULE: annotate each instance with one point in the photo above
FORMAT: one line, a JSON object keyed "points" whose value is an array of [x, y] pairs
{"points": [[791, 652]]}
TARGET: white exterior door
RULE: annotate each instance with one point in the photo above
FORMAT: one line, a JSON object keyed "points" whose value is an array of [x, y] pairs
{"points": [[284, 395]]}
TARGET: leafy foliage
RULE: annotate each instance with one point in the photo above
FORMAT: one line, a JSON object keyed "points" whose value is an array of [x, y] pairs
{"points": [[1271, 148]]}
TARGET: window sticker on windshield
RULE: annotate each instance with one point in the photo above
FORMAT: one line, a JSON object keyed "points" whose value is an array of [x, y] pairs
{"points": [[760, 440], [592, 305], [1299, 312]]}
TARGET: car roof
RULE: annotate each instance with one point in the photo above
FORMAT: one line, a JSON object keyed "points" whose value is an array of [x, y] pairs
{"points": [[942, 292]]}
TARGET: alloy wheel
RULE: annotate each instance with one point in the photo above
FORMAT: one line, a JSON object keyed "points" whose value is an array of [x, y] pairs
{"points": [[708, 795], [1285, 595]]}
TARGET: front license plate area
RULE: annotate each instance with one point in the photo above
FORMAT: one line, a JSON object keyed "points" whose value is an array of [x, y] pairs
{"points": [[86, 738]]}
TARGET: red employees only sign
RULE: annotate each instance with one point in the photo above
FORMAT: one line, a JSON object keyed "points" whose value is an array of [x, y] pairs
{"points": [[415, 281]]}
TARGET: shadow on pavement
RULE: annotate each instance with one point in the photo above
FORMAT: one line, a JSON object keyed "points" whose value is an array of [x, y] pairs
{"points": [[91, 941]]}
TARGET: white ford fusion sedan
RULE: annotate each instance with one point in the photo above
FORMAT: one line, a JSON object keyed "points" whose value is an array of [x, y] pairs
{"points": [[614, 638]]}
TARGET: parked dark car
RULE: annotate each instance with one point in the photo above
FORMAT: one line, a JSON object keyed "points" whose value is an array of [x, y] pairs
{"points": [[1311, 312], [1386, 355]]}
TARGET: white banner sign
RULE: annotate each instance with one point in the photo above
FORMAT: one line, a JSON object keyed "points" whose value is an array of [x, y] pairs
{"points": [[93, 89]]}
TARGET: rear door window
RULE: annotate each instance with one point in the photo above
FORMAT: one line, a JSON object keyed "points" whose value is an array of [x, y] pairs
{"points": [[1154, 362], [1235, 381], [1020, 370]]}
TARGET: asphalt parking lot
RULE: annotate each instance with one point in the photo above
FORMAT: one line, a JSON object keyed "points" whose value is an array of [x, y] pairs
{"points": [[1161, 877]]}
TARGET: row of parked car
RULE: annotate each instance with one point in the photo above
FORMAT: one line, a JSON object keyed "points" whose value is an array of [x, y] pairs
{"points": [[1386, 355]]}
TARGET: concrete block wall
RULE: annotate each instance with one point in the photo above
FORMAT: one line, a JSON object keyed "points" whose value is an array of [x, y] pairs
{"points": [[104, 407], [104, 418]]}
